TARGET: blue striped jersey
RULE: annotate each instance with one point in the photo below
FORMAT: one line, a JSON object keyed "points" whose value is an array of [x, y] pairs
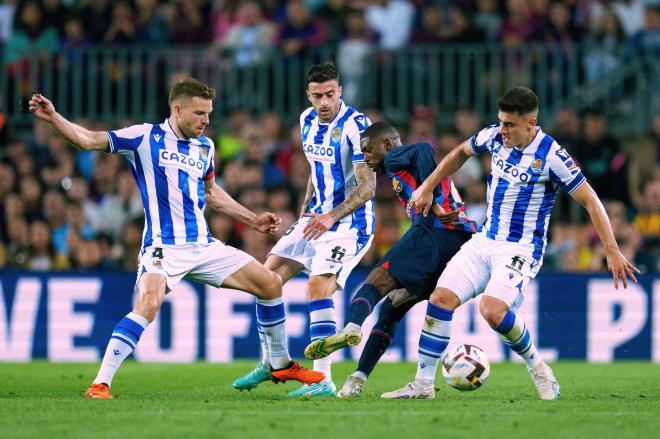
{"points": [[332, 149], [170, 173], [522, 186]]}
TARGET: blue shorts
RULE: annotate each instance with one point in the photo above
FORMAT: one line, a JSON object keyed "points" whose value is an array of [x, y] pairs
{"points": [[420, 256]]}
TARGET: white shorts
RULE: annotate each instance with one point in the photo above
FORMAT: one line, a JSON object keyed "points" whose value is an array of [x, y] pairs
{"points": [[498, 269], [332, 253], [206, 263]]}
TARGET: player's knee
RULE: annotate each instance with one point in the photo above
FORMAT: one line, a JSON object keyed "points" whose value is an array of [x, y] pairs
{"points": [[272, 289], [319, 287], [492, 310], [445, 298], [148, 304]]}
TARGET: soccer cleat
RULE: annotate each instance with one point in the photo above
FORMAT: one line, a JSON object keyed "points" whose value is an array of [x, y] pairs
{"points": [[325, 346], [98, 391], [294, 371], [324, 388], [410, 391], [545, 381], [250, 381], [352, 388]]}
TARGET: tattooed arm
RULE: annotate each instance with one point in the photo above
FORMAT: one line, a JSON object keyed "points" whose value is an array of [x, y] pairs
{"points": [[308, 197], [363, 192]]}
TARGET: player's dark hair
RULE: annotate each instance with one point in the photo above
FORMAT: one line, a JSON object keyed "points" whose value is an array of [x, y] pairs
{"points": [[380, 130], [190, 88], [519, 100], [322, 72]]}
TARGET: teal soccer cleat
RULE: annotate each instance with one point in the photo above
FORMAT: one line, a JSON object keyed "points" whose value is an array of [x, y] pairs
{"points": [[324, 388], [250, 381]]}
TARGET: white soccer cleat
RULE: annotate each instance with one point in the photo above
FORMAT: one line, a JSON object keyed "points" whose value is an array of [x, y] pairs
{"points": [[351, 388], [325, 346], [410, 391], [545, 381]]}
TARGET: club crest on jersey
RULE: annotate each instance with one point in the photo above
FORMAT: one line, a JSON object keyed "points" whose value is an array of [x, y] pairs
{"points": [[396, 185], [336, 134], [203, 149], [537, 166]]}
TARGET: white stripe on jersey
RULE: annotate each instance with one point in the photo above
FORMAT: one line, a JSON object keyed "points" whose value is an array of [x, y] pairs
{"points": [[170, 175], [331, 150], [522, 186]]}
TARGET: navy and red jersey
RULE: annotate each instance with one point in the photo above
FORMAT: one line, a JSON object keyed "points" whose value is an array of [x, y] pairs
{"points": [[408, 166]]}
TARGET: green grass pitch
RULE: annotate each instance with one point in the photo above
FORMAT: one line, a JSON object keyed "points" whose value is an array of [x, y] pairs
{"points": [[620, 400]]}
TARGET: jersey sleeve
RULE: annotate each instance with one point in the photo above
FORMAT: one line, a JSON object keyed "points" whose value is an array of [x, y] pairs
{"points": [[354, 130], [210, 171], [481, 141], [564, 171], [127, 139]]}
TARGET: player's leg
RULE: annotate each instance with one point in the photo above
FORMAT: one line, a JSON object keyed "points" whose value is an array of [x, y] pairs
{"points": [[392, 310], [503, 290], [286, 269], [321, 324], [266, 285], [377, 285], [465, 276], [125, 336]]}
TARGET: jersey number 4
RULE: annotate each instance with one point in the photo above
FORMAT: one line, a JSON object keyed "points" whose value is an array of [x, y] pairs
{"points": [[158, 253]]}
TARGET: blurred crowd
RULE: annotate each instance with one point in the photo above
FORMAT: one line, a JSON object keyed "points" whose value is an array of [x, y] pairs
{"points": [[358, 26], [66, 209]]}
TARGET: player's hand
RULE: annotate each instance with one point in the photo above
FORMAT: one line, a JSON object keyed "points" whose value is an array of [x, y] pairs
{"points": [[318, 225], [41, 107], [267, 222], [422, 200], [621, 268], [450, 218]]}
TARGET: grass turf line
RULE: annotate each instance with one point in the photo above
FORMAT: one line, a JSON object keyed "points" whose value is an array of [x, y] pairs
{"points": [[196, 400]]}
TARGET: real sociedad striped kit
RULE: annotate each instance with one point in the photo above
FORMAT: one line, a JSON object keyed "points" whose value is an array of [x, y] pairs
{"points": [[331, 150], [522, 186], [170, 173]]}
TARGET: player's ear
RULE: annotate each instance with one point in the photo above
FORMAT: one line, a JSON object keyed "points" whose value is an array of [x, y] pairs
{"points": [[340, 91]]}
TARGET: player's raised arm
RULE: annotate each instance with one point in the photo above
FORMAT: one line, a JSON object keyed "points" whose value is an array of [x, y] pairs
{"points": [[620, 267], [422, 198], [363, 192], [78, 136], [222, 202]]}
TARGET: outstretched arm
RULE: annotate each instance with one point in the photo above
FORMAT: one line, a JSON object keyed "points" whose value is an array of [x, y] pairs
{"points": [[363, 192], [422, 198], [620, 267], [79, 136], [222, 202]]}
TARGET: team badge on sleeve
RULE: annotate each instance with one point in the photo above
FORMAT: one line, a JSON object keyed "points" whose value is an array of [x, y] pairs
{"points": [[537, 166]]}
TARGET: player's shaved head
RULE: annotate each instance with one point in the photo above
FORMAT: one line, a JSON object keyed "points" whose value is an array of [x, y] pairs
{"points": [[381, 130], [519, 100]]}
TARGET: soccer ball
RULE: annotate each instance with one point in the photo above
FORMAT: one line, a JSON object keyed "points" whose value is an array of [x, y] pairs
{"points": [[465, 367]]}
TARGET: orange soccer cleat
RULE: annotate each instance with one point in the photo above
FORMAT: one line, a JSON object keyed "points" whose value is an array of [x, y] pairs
{"points": [[98, 391], [294, 371]]}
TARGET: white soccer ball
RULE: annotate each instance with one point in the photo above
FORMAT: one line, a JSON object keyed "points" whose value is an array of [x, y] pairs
{"points": [[465, 367]]}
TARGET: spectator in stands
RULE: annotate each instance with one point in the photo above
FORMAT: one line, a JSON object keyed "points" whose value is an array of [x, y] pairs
{"points": [[119, 207], [7, 11], [151, 23], [353, 53], [229, 143], [189, 21], [91, 13], [123, 26], [392, 20], [55, 14], [30, 36], [431, 27], [488, 19], [606, 46], [647, 40], [251, 37], [18, 242], [30, 191], [42, 256], [88, 255], [602, 159], [74, 40], [300, 31], [631, 15], [567, 127]]}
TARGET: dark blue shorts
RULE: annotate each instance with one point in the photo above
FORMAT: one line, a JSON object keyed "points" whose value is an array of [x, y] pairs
{"points": [[420, 256]]}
